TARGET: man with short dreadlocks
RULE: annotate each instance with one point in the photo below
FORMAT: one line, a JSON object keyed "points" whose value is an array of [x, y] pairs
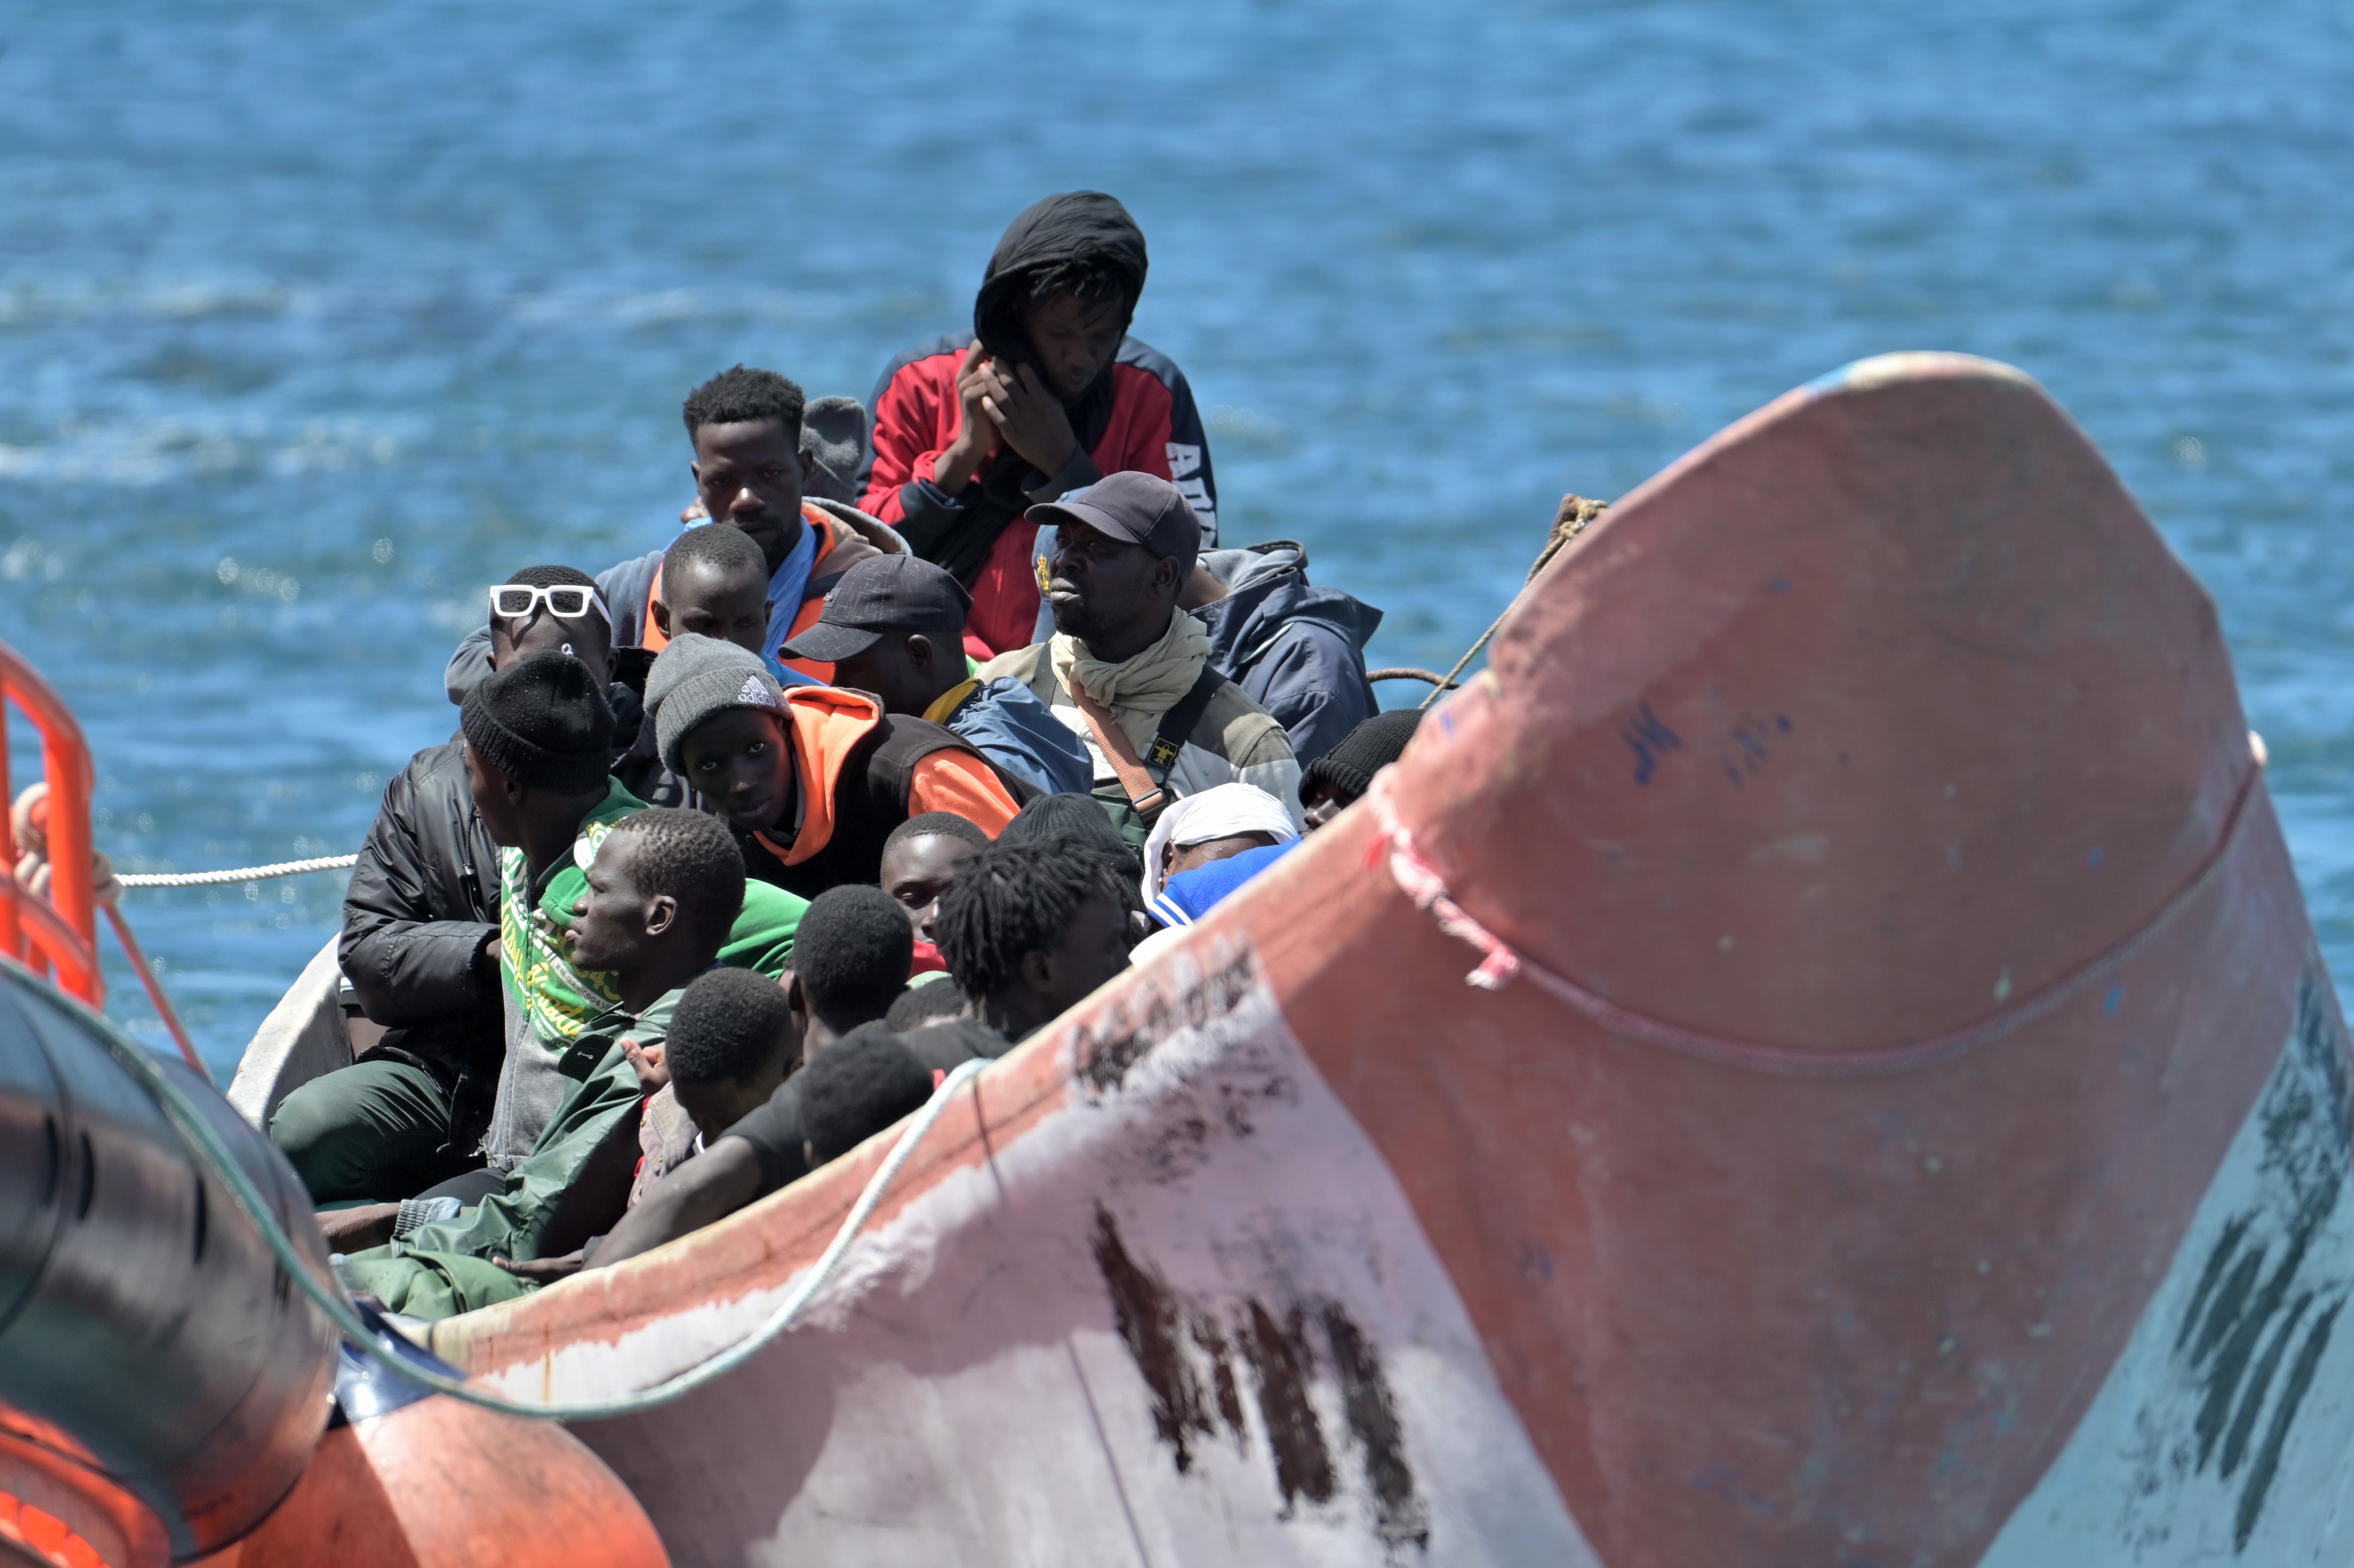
{"points": [[1029, 930], [1046, 395]]}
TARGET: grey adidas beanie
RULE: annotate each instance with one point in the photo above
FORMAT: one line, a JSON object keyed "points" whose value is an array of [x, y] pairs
{"points": [[698, 676]]}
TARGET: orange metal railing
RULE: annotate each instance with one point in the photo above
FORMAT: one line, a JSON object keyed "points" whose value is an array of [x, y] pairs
{"points": [[60, 932]]}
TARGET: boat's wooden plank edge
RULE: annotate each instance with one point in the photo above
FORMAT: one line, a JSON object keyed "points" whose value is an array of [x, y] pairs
{"points": [[301, 1039]]}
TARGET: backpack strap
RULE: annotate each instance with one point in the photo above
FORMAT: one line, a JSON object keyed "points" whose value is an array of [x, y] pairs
{"points": [[1179, 721], [1142, 791], [1141, 777]]}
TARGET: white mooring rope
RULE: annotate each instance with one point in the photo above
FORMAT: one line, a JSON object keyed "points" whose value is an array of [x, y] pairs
{"points": [[247, 873]]}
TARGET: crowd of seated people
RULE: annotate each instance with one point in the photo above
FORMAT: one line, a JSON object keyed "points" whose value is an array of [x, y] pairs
{"points": [[743, 844]]}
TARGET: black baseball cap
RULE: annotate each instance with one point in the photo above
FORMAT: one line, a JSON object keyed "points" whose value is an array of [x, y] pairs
{"points": [[884, 593], [1142, 508]]}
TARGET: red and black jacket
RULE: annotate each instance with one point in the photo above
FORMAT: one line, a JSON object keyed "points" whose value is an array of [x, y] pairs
{"points": [[1153, 428], [1138, 414]]}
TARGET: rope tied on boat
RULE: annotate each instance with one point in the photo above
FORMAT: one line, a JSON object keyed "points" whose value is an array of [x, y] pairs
{"points": [[1500, 963], [244, 874], [28, 823], [1420, 882], [215, 1155], [1569, 521]]}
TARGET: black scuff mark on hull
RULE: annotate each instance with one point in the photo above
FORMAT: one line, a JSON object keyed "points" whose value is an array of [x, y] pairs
{"points": [[2236, 1338], [2229, 1305], [1175, 1151], [1398, 1514], [1222, 1385], [1186, 1354], [1106, 1060], [1151, 1323], [1282, 1365], [2255, 1290], [2235, 1232], [2235, 1441], [2300, 1379]]}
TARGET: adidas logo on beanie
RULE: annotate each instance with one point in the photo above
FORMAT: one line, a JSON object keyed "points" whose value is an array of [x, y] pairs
{"points": [[698, 676]]}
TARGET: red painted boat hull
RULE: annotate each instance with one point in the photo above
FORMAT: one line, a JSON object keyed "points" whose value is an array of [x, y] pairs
{"points": [[1902, 1121]]}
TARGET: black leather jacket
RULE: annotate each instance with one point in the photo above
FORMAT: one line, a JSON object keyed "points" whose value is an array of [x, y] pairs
{"points": [[424, 900]]}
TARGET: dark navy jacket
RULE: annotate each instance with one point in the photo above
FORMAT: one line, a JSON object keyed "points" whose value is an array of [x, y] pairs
{"points": [[1021, 737], [1296, 649]]}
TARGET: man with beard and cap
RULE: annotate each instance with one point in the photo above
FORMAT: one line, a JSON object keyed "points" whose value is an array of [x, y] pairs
{"points": [[1046, 395], [1130, 672], [894, 627]]}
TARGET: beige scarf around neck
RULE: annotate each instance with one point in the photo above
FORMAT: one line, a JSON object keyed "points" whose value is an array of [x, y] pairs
{"points": [[1137, 691]]}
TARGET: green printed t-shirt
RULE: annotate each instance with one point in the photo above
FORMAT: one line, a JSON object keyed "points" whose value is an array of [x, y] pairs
{"points": [[536, 930]]}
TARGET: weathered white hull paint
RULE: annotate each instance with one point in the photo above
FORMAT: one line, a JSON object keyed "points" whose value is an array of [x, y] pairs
{"points": [[2225, 1431], [1187, 1319]]}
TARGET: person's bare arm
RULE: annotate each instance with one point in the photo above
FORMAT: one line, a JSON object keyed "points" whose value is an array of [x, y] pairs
{"points": [[706, 1190], [542, 1270], [356, 1230]]}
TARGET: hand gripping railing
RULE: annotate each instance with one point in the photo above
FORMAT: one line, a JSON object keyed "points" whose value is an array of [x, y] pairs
{"points": [[59, 932]]}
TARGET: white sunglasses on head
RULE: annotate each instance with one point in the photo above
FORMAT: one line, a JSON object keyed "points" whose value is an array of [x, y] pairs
{"points": [[565, 602]]}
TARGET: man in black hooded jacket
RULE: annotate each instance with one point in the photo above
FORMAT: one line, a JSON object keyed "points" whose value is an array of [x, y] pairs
{"points": [[420, 949], [1046, 395]]}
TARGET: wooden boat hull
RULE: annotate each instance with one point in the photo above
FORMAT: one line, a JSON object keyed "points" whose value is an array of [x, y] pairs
{"points": [[1901, 1120]]}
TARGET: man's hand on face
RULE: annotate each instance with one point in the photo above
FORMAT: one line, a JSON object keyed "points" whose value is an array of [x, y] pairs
{"points": [[976, 435], [1028, 416]]}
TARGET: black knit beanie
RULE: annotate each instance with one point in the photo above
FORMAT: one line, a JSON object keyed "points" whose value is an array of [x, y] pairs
{"points": [[1347, 770], [544, 722]]}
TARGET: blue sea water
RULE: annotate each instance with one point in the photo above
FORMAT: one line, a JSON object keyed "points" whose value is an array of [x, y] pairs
{"points": [[314, 319]]}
